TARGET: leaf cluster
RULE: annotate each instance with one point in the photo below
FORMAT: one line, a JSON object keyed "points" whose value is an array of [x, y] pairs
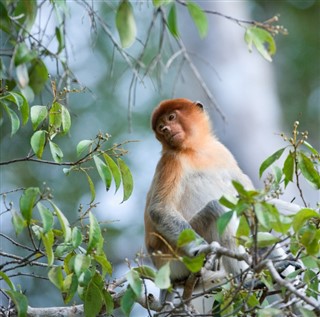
{"points": [[74, 254]]}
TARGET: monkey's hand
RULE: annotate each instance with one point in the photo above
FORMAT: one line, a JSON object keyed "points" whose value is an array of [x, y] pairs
{"points": [[212, 262], [196, 247], [213, 258]]}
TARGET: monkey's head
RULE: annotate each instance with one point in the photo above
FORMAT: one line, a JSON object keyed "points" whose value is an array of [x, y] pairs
{"points": [[180, 123]]}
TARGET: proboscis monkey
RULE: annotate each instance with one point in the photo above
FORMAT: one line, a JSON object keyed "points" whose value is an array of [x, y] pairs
{"points": [[194, 172], [195, 169]]}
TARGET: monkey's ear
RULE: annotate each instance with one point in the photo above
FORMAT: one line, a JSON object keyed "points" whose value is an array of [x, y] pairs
{"points": [[199, 104]]}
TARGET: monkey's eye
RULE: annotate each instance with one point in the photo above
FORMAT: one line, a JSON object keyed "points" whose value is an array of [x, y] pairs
{"points": [[171, 116]]}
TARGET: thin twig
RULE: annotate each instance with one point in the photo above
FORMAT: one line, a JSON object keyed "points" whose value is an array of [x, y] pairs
{"points": [[15, 242], [198, 76]]}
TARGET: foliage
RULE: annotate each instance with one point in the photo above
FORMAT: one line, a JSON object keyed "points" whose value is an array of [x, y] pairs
{"points": [[36, 107]]}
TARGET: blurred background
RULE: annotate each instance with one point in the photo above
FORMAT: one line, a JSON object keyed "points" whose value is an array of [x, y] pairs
{"points": [[259, 100]]}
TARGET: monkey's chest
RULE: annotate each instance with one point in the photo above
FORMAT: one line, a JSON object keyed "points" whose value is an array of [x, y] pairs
{"points": [[198, 188]]}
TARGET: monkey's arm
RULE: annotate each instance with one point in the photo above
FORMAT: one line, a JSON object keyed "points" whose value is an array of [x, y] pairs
{"points": [[207, 216], [170, 223]]}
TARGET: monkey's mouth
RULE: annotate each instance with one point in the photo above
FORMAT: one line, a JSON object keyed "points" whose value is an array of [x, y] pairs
{"points": [[175, 137]]}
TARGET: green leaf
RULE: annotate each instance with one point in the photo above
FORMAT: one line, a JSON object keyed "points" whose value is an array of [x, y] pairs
{"points": [[262, 213], [21, 103], [158, 3], [38, 141], [6, 278], [91, 186], [38, 76], [5, 22], [108, 301], [63, 248], [15, 121], [302, 217], [56, 152], [114, 170], [253, 301], [66, 119], [308, 170], [270, 160], [194, 264], [93, 300], [146, 272], [28, 10], [105, 264], [85, 278], [127, 301], [227, 202], [305, 312], [23, 54], [55, 116], [239, 188], [76, 237], [135, 282], [48, 240], [20, 302], [60, 38], [81, 263], [264, 239], [83, 145], [27, 201], [18, 222], [126, 24], [46, 217], [310, 262], [185, 237], [199, 18], [223, 221], [312, 281], [262, 40], [172, 21], [243, 228], [288, 168], [56, 277], [95, 236], [162, 279], [127, 180], [104, 171], [70, 285], [277, 173], [38, 114], [278, 222], [310, 147], [64, 223], [310, 238]]}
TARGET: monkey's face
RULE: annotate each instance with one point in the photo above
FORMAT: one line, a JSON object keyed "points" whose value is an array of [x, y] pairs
{"points": [[169, 130]]}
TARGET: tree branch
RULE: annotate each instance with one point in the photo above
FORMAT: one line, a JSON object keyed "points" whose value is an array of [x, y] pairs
{"points": [[286, 284]]}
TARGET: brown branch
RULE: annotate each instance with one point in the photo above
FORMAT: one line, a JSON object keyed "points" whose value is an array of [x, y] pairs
{"points": [[15, 242], [20, 261], [84, 159]]}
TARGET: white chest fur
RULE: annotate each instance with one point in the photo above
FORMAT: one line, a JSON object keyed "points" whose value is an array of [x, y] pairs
{"points": [[198, 188]]}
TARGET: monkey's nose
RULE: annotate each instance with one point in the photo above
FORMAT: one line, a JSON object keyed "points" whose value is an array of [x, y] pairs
{"points": [[165, 129]]}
